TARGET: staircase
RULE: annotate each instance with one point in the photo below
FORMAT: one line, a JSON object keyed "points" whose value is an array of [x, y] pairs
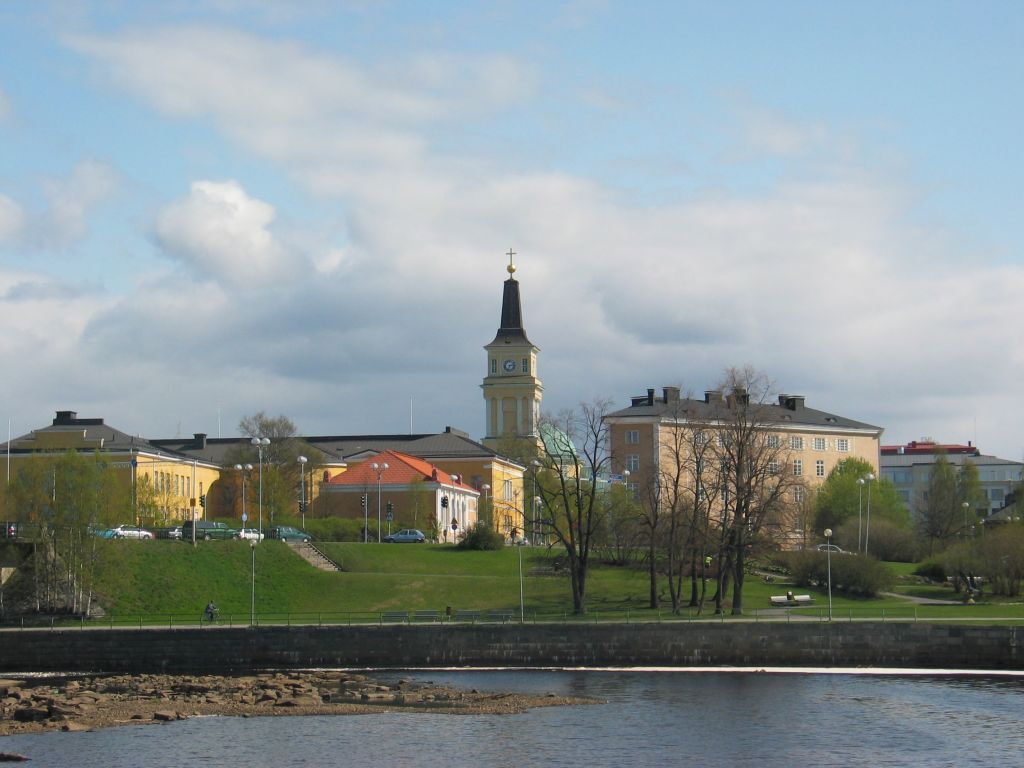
{"points": [[314, 556]]}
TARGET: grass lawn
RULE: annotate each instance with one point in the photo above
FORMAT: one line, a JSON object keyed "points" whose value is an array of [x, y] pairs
{"points": [[168, 577]]}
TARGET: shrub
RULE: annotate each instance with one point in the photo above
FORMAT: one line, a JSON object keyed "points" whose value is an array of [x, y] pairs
{"points": [[852, 574], [481, 536], [932, 570]]}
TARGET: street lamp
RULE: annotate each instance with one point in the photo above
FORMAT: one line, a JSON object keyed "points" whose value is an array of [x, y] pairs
{"points": [[485, 488], [244, 469], [261, 443], [860, 494], [453, 508], [828, 555], [302, 477], [533, 502], [252, 605], [965, 507], [380, 469], [867, 523]]}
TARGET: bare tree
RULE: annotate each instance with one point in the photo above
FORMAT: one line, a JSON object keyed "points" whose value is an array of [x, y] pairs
{"points": [[573, 458]]}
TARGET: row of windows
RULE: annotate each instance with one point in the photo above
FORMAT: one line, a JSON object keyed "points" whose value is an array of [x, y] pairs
{"points": [[796, 443], [178, 485], [633, 464]]}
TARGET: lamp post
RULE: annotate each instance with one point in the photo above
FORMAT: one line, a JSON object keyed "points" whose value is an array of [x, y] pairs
{"points": [[380, 469], [261, 443], [828, 555], [860, 495], [522, 605], [533, 502], [487, 508], [252, 604], [302, 477], [453, 507], [244, 469], [867, 523], [965, 506]]}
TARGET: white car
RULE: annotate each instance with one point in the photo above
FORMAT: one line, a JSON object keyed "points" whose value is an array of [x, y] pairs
{"points": [[249, 533], [131, 532]]}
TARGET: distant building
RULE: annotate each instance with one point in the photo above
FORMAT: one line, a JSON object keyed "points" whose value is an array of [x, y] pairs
{"points": [[909, 467]]}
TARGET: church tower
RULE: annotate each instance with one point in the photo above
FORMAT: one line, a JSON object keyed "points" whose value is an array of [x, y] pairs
{"points": [[512, 391]]}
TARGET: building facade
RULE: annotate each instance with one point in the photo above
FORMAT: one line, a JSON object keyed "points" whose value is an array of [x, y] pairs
{"points": [[909, 467]]}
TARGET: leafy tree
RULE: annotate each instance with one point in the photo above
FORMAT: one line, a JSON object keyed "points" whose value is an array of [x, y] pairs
{"points": [[949, 507], [842, 497]]}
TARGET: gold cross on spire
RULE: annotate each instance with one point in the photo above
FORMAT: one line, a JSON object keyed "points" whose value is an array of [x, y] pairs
{"points": [[511, 267]]}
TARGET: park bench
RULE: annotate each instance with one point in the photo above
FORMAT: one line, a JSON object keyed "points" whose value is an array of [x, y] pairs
{"points": [[503, 616], [472, 616], [394, 617], [426, 616], [791, 599]]}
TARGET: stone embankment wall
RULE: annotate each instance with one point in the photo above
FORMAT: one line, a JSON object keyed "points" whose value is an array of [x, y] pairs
{"points": [[218, 649]]}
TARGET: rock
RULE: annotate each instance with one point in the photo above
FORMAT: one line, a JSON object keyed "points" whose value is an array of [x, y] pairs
{"points": [[165, 715], [75, 727], [31, 714]]}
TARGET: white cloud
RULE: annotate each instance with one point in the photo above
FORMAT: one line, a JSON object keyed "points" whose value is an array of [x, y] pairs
{"points": [[223, 233], [12, 218], [820, 278], [71, 200]]}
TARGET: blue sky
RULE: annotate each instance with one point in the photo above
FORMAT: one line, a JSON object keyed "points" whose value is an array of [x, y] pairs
{"points": [[208, 209]]}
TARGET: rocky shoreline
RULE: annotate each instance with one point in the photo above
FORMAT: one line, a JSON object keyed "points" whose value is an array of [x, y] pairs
{"points": [[85, 703]]}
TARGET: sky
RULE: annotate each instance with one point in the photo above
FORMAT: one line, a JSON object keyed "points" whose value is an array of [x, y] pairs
{"points": [[209, 209]]}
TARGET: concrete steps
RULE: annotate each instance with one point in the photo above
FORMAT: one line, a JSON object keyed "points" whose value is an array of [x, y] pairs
{"points": [[308, 552]]}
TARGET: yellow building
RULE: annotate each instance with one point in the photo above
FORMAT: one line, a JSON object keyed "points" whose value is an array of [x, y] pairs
{"points": [[806, 443], [163, 487]]}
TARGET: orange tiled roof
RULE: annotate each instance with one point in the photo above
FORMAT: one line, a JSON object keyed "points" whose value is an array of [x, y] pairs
{"points": [[402, 469]]}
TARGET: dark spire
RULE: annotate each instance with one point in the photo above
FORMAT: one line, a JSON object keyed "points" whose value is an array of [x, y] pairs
{"points": [[511, 330]]}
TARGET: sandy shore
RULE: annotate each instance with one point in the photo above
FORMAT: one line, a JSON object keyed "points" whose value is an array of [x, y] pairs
{"points": [[85, 703]]}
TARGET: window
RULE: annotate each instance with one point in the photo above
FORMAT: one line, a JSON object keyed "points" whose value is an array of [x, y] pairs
{"points": [[526, 365], [798, 494], [494, 365], [798, 468], [819, 468], [632, 436], [634, 489], [773, 467], [843, 444], [506, 490], [633, 462], [796, 443], [700, 438], [773, 441], [819, 443]]}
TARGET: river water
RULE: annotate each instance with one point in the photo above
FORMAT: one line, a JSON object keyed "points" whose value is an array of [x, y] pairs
{"points": [[648, 718]]}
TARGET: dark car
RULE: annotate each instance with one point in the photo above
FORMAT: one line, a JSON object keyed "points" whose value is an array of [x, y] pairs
{"points": [[406, 536], [206, 530], [287, 533]]}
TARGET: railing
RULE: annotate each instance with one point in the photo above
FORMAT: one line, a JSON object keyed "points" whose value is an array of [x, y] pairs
{"points": [[506, 616]]}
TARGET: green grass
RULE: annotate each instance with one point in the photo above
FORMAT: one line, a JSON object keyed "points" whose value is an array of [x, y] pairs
{"points": [[167, 577]]}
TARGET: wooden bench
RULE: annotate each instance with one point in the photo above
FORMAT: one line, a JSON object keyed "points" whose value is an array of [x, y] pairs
{"points": [[394, 617], [501, 616], [791, 599], [472, 616], [426, 616]]}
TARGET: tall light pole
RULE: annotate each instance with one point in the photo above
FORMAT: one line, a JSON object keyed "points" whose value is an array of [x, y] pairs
{"points": [[867, 525], [252, 604], [486, 488], [302, 476], [261, 443], [455, 482], [828, 555], [965, 506], [533, 502], [380, 469], [245, 470]]}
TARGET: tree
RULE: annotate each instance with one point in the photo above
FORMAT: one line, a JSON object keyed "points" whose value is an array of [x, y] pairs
{"points": [[574, 456], [842, 497], [949, 505]]}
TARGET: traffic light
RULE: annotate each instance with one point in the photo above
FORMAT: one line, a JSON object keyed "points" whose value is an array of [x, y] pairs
{"points": [[202, 501], [302, 507], [391, 507], [444, 502], [363, 501]]}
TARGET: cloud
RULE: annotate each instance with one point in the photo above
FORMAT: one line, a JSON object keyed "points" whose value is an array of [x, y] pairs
{"points": [[821, 277], [70, 201], [12, 218], [223, 233]]}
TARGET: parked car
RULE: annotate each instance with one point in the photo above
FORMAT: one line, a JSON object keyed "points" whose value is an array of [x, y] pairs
{"points": [[8, 530], [206, 530], [828, 548], [406, 536], [249, 533], [131, 532], [173, 532], [287, 533]]}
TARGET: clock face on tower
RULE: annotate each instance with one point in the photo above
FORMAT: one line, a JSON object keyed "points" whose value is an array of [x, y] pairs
{"points": [[510, 365]]}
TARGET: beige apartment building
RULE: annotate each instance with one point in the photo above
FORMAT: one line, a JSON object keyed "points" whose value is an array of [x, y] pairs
{"points": [[807, 443]]}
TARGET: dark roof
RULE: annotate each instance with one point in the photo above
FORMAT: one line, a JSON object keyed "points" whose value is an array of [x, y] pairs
{"points": [[450, 444], [924, 447], [511, 330], [789, 410]]}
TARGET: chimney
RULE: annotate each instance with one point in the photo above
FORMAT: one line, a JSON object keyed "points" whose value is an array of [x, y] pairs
{"points": [[739, 396], [65, 417], [650, 397], [791, 402], [670, 394], [199, 440], [712, 396]]}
